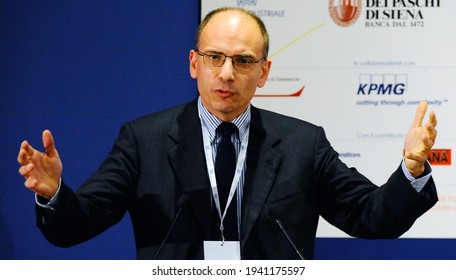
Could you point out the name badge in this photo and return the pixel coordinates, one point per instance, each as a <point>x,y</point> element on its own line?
<point>217,250</point>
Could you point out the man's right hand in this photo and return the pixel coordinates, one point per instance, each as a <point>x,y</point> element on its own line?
<point>42,171</point>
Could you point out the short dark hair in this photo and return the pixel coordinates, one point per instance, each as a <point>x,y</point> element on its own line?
<point>253,16</point>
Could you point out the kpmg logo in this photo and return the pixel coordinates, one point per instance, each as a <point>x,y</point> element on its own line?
<point>382,84</point>
<point>345,12</point>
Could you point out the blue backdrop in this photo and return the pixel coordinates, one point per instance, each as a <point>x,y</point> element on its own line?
<point>81,69</point>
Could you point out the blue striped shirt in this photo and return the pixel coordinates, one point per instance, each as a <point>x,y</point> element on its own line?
<point>209,122</point>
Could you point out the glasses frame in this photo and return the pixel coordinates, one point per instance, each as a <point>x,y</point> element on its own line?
<point>205,54</point>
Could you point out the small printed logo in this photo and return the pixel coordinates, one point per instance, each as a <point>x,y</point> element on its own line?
<point>440,157</point>
<point>382,84</point>
<point>294,94</point>
<point>247,2</point>
<point>345,12</point>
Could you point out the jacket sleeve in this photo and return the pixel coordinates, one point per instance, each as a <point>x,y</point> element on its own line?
<point>360,208</point>
<point>99,203</point>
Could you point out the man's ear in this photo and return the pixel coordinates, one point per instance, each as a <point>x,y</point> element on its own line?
<point>193,63</point>
<point>266,67</point>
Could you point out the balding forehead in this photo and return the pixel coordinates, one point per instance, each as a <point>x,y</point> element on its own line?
<point>230,18</point>
<point>235,14</point>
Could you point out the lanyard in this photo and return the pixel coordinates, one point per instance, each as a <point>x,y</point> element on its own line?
<point>211,170</point>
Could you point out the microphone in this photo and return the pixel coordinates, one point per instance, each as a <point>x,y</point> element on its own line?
<point>289,239</point>
<point>183,200</point>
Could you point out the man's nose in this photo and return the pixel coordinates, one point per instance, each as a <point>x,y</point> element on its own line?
<point>227,70</point>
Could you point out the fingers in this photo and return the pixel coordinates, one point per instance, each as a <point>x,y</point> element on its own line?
<point>25,153</point>
<point>26,172</point>
<point>25,169</point>
<point>431,131</point>
<point>419,140</point>
<point>24,158</point>
<point>432,122</point>
<point>433,118</point>
<point>48,143</point>
<point>419,114</point>
<point>428,142</point>
<point>40,170</point>
<point>30,182</point>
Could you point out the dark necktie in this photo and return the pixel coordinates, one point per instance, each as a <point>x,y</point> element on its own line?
<point>225,165</point>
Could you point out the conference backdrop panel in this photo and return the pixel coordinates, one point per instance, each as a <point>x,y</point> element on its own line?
<point>359,68</point>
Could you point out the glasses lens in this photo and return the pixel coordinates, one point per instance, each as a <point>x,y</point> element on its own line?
<point>214,59</point>
<point>243,63</point>
<point>240,62</point>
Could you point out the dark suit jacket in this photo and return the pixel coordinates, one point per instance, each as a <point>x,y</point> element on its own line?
<point>293,175</point>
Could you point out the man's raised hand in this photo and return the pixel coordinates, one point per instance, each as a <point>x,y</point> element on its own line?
<point>42,171</point>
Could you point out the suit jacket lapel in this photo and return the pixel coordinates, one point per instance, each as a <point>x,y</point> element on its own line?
<point>263,163</point>
<point>188,160</point>
<point>189,163</point>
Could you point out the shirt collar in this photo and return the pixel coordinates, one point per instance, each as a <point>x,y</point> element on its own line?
<point>212,122</point>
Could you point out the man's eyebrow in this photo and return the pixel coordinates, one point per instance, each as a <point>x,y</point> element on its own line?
<point>246,55</point>
<point>213,51</point>
<point>249,55</point>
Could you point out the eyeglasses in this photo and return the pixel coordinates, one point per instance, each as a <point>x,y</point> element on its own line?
<point>240,62</point>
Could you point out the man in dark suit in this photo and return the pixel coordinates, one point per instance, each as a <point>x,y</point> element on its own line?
<point>163,169</point>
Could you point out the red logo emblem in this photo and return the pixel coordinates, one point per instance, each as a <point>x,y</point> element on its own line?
<point>345,12</point>
<point>440,157</point>
<point>295,94</point>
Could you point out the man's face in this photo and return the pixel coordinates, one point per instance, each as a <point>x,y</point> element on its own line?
<point>225,91</point>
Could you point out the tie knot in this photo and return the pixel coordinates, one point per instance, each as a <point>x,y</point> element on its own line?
<point>226,129</point>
